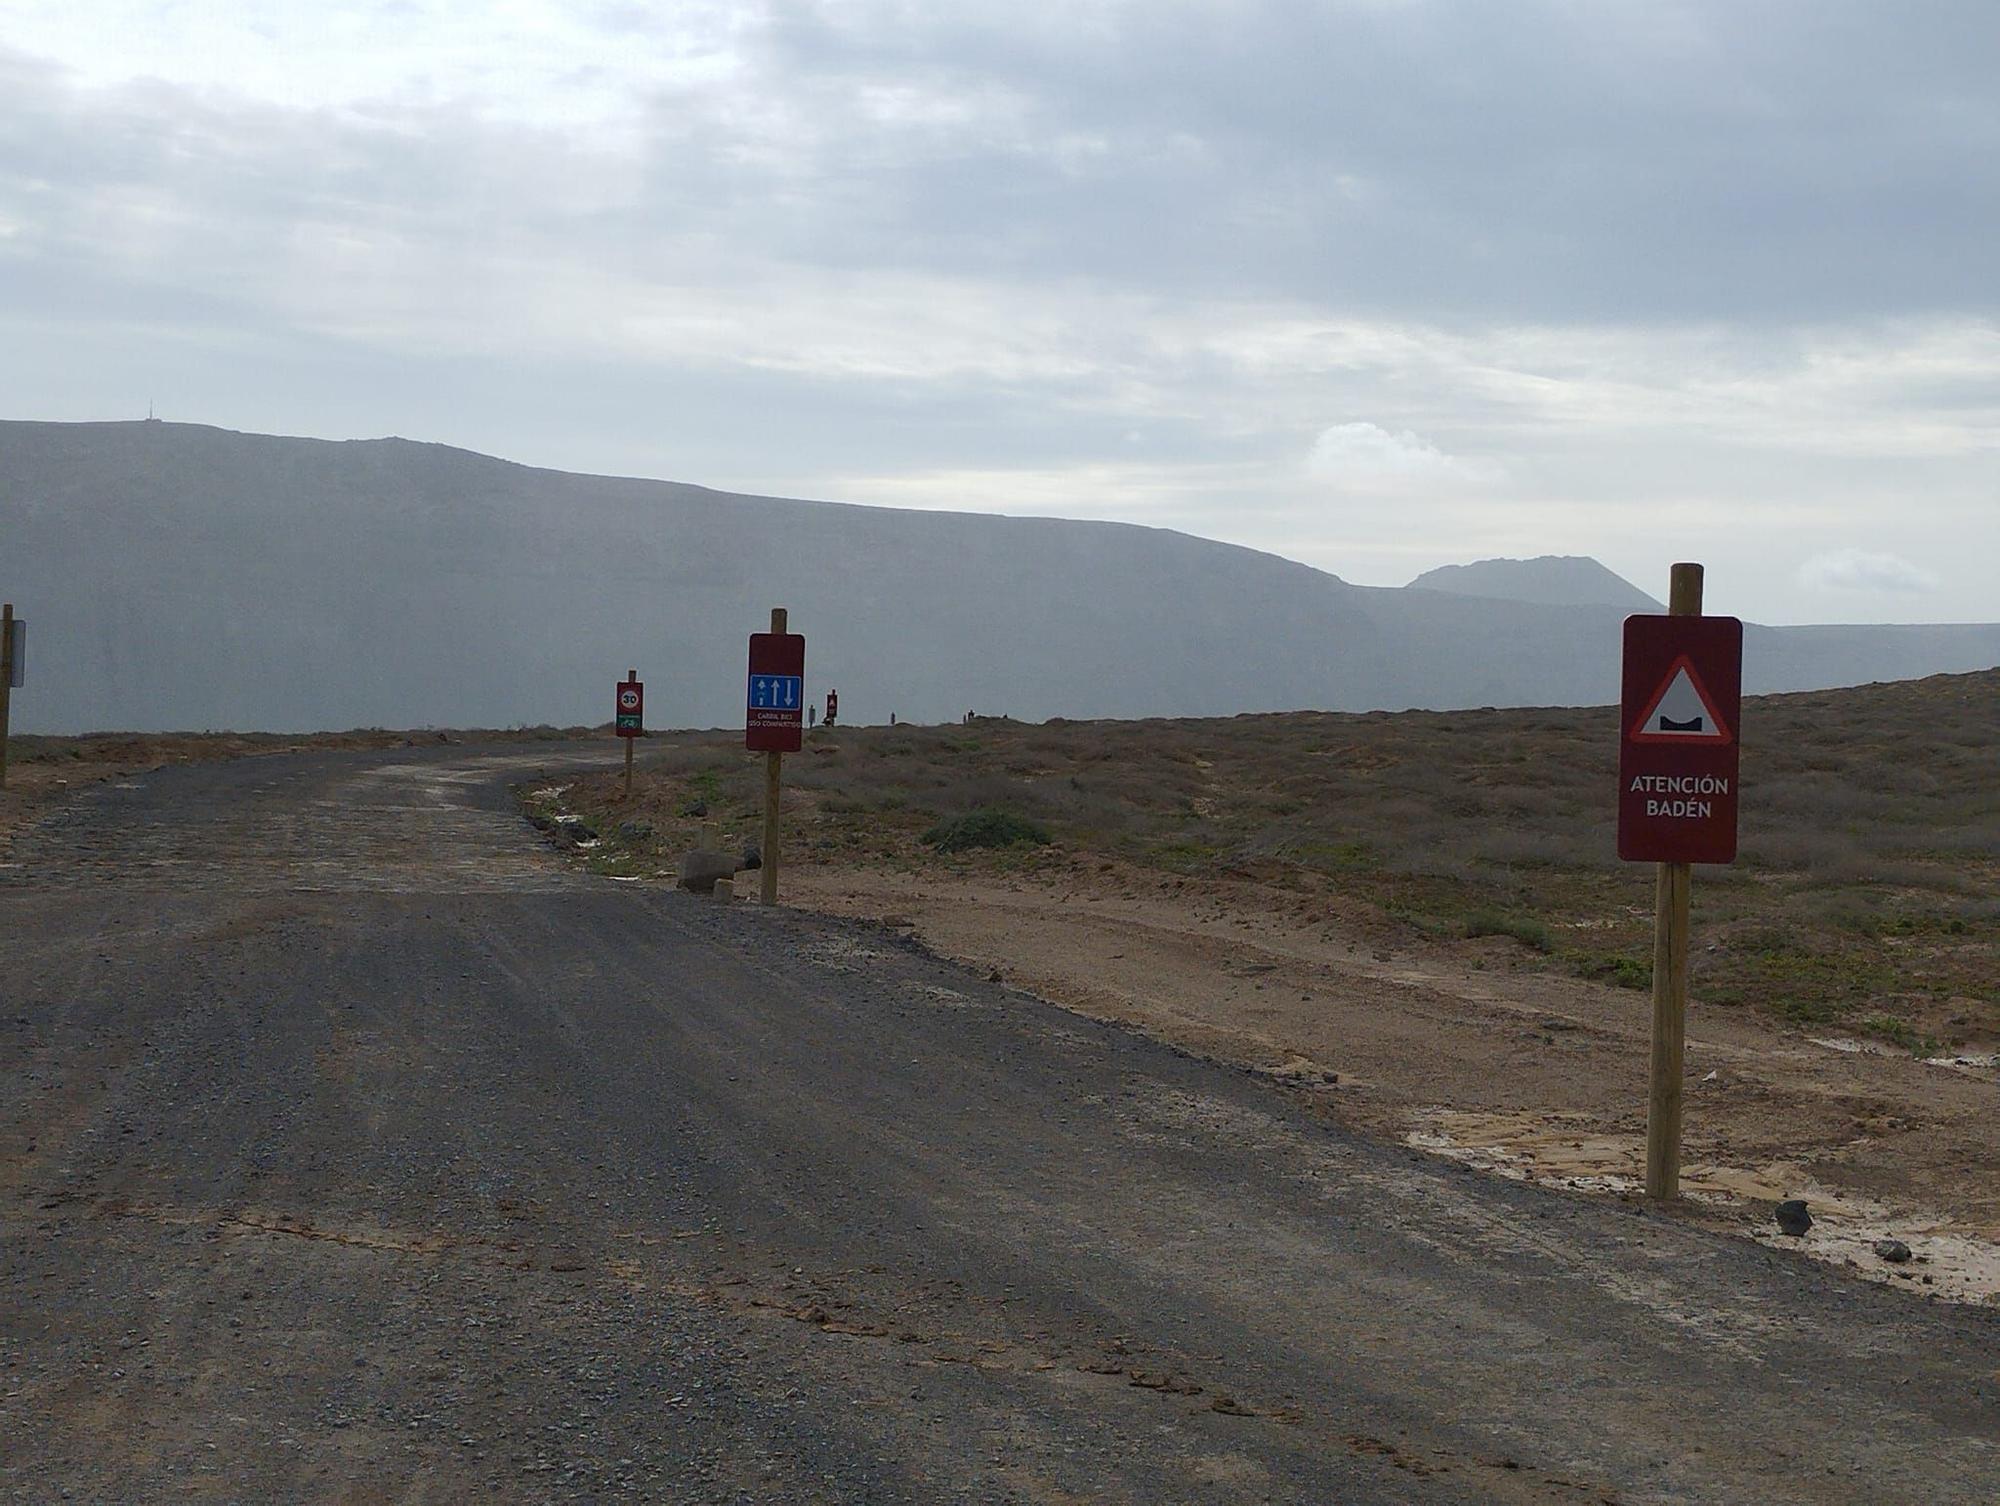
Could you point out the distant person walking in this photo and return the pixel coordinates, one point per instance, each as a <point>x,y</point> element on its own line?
<point>812,715</point>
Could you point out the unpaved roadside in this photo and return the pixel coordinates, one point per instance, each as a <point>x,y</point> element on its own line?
<point>44,772</point>
<point>1463,1049</point>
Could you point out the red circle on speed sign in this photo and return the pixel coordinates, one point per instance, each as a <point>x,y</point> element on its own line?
<point>629,699</point>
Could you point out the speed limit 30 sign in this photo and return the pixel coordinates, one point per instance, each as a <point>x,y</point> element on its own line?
<point>631,712</point>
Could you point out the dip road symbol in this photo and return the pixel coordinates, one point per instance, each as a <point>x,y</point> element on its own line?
<point>1677,758</point>
<point>1682,711</point>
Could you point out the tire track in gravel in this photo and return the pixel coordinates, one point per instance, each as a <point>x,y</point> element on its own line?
<point>359,1150</point>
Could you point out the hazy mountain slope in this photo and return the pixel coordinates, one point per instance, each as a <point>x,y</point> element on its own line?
<point>181,576</point>
<point>1565,580</point>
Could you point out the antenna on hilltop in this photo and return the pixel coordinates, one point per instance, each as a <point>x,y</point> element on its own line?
<point>149,412</point>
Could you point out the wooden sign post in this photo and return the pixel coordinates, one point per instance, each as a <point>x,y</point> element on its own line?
<point>629,720</point>
<point>6,680</point>
<point>774,768</point>
<point>1672,900</point>
<point>774,725</point>
<point>1677,801</point>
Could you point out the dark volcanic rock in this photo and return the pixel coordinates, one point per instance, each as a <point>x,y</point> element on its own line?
<point>700,869</point>
<point>1793,1218</point>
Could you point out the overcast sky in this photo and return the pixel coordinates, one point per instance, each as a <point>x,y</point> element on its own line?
<point>1376,284</point>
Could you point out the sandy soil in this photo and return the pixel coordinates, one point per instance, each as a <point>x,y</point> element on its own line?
<point>33,787</point>
<point>1462,1049</point>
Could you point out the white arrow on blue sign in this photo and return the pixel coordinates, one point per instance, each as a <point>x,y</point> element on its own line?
<point>775,692</point>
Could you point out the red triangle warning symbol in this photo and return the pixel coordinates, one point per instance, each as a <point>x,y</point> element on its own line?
<point>1681,711</point>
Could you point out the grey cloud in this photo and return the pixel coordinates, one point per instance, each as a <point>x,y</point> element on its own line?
<point>1537,160</point>
<point>1457,163</point>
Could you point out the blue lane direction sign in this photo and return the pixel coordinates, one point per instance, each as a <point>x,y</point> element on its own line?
<point>774,716</point>
<point>776,692</point>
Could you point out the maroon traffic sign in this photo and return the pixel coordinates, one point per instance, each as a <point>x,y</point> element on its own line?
<point>630,717</point>
<point>1678,739</point>
<point>774,714</point>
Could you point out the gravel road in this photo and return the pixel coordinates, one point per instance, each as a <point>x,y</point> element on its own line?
<point>354,1148</point>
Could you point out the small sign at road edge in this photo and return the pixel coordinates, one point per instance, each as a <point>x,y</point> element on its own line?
<point>774,711</point>
<point>630,709</point>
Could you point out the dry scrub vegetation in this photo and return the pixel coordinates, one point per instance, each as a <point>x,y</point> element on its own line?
<point>1865,896</point>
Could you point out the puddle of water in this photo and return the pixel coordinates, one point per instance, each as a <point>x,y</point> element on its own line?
<point>1962,1265</point>
<point>1952,1061</point>
<point>1852,1048</point>
<point>1966,1061</point>
<point>948,998</point>
<point>1945,1262</point>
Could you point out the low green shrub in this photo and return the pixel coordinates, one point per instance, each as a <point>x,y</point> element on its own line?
<point>1626,972</point>
<point>1530,933</point>
<point>1902,1033</point>
<point>990,826</point>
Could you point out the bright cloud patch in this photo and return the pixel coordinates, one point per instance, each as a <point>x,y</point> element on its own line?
<point>1861,570</point>
<point>1365,456</point>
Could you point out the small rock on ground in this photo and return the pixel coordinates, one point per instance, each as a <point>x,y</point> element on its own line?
<point>700,869</point>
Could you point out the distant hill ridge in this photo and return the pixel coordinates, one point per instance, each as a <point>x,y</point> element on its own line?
<point>180,576</point>
<point>1568,580</point>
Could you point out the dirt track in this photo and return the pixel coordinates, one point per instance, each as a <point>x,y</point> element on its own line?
<point>1449,1047</point>
<point>355,1149</point>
